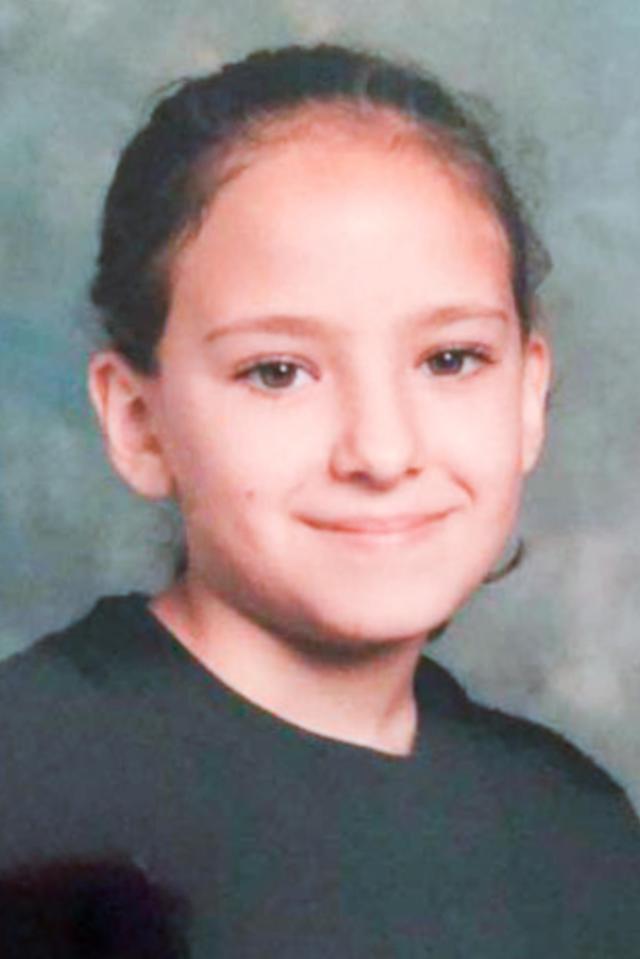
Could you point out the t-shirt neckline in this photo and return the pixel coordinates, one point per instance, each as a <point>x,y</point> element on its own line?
<point>215,692</point>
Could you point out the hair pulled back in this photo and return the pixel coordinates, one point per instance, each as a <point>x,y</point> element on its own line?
<point>157,193</point>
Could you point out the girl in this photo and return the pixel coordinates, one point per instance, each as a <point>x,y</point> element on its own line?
<point>319,295</point>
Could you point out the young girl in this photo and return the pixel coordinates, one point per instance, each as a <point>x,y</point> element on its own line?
<point>319,295</point>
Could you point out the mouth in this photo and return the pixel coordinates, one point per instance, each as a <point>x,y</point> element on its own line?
<point>380,530</point>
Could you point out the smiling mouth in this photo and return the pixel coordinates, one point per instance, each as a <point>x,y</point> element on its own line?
<point>377,528</point>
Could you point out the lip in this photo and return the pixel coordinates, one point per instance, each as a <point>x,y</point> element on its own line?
<point>381,528</point>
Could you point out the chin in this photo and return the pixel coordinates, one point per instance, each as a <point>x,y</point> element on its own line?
<point>350,633</point>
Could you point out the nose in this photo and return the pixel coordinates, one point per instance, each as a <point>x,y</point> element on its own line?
<point>378,439</point>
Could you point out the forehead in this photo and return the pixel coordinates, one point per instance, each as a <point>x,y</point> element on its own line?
<point>343,220</point>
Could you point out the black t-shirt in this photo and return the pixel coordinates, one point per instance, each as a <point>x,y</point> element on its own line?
<point>495,838</point>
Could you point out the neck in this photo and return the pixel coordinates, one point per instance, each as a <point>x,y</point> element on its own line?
<point>362,694</point>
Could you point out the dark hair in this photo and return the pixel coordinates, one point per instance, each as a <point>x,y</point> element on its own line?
<point>158,191</point>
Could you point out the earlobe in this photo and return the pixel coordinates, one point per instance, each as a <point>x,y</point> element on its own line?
<point>536,382</point>
<point>121,399</point>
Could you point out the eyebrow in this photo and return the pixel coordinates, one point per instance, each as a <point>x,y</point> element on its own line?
<point>275,323</point>
<point>460,313</point>
<point>313,327</point>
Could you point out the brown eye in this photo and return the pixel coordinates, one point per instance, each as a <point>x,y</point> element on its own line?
<point>276,375</point>
<point>453,362</point>
<point>449,361</point>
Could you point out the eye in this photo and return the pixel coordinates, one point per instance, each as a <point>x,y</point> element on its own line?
<point>456,361</point>
<point>276,375</point>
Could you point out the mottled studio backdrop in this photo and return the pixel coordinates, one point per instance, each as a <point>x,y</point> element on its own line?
<point>561,639</point>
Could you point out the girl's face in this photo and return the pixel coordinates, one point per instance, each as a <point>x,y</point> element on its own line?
<point>345,407</point>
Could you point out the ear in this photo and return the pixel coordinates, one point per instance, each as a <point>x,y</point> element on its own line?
<point>535,393</point>
<point>121,398</point>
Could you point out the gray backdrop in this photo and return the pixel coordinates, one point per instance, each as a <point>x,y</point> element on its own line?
<point>559,640</point>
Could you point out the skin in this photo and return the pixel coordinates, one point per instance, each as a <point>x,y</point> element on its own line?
<point>345,409</point>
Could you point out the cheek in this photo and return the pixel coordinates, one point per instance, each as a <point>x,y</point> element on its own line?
<point>243,468</point>
<point>484,447</point>
<point>264,465</point>
<point>271,455</point>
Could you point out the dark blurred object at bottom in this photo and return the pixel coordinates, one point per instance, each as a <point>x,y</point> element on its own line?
<point>89,910</point>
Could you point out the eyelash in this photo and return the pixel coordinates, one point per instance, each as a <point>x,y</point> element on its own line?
<point>461,355</point>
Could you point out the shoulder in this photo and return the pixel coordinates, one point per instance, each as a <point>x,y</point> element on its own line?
<point>532,766</point>
<point>72,657</point>
<point>75,721</point>
<point>564,825</point>
<point>64,692</point>
<point>561,829</point>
